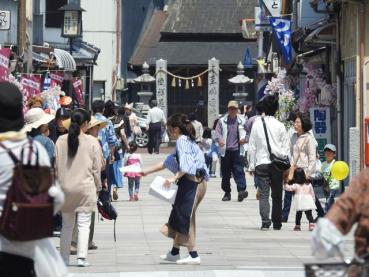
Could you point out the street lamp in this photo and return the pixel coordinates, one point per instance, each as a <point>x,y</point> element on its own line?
<point>72,22</point>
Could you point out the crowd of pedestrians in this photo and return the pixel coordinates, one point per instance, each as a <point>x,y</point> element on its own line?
<point>87,150</point>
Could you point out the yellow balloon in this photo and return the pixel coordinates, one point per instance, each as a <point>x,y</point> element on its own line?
<point>340,170</point>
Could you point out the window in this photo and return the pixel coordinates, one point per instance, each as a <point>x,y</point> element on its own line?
<point>54,17</point>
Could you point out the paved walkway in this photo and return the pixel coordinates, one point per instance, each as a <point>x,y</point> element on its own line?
<point>229,240</point>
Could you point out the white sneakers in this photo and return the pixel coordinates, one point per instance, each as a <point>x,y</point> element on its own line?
<point>82,263</point>
<point>176,259</point>
<point>190,260</point>
<point>169,257</point>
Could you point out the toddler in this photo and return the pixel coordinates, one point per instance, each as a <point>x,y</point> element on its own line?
<point>133,177</point>
<point>304,198</point>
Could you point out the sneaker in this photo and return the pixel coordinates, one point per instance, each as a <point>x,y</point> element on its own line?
<point>311,226</point>
<point>242,195</point>
<point>277,226</point>
<point>265,226</point>
<point>92,246</point>
<point>115,193</point>
<point>131,199</point>
<point>189,260</point>
<point>297,228</point>
<point>213,176</point>
<point>82,262</point>
<point>284,220</point>
<point>169,257</point>
<point>136,196</point>
<point>227,197</point>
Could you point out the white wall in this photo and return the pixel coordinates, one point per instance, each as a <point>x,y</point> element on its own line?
<point>99,29</point>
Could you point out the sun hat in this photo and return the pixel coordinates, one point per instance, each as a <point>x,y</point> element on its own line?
<point>36,117</point>
<point>11,108</point>
<point>128,106</point>
<point>95,122</point>
<point>330,147</point>
<point>232,104</point>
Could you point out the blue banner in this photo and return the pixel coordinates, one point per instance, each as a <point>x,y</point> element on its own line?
<point>282,32</point>
<point>247,60</point>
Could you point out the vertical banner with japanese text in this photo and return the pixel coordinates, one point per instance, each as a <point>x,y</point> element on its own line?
<point>321,119</point>
<point>57,78</point>
<point>4,63</point>
<point>31,84</point>
<point>161,85</point>
<point>77,85</point>
<point>213,91</point>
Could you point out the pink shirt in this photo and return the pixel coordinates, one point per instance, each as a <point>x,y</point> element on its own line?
<point>305,189</point>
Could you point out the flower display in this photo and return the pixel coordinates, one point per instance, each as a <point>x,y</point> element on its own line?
<point>51,97</point>
<point>317,92</point>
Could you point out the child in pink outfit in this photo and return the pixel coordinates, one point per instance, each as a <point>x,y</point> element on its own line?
<point>304,198</point>
<point>133,177</point>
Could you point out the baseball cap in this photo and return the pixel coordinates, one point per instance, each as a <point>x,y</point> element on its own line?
<point>330,147</point>
<point>232,104</point>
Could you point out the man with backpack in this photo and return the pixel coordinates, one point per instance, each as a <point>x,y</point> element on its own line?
<point>26,183</point>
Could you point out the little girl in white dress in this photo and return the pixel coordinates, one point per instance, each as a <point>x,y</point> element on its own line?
<point>304,198</point>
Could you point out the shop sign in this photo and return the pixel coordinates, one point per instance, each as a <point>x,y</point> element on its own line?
<point>273,6</point>
<point>321,119</point>
<point>4,20</point>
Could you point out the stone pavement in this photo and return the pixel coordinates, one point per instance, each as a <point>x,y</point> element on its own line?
<point>228,237</point>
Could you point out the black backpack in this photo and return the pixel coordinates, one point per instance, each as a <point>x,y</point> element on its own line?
<point>105,208</point>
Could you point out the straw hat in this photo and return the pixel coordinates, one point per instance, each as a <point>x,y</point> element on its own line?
<point>36,117</point>
<point>128,106</point>
<point>95,122</point>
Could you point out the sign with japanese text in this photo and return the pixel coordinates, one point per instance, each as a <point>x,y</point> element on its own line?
<point>4,20</point>
<point>57,78</point>
<point>321,120</point>
<point>32,84</point>
<point>77,85</point>
<point>4,63</point>
<point>70,27</point>
<point>213,91</point>
<point>261,20</point>
<point>273,7</point>
<point>161,85</point>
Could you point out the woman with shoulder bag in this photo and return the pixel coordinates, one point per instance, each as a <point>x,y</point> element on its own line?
<point>303,155</point>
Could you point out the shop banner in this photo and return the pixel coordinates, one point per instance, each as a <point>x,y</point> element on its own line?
<point>321,119</point>
<point>77,84</point>
<point>57,78</point>
<point>4,63</point>
<point>282,31</point>
<point>32,84</point>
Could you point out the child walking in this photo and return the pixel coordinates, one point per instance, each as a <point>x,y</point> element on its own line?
<point>304,198</point>
<point>133,177</point>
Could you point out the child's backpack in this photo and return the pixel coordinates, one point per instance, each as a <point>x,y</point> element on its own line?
<point>28,210</point>
<point>105,208</point>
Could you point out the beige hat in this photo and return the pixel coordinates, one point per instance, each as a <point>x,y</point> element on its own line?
<point>232,104</point>
<point>36,117</point>
<point>95,122</point>
<point>128,106</point>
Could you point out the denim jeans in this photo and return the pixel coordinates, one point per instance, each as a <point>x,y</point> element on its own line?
<point>233,162</point>
<point>287,204</point>
<point>330,199</point>
<point>133,183</point>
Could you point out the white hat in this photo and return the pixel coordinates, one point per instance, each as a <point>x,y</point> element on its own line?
<point>128,106</point>
<point>36,117</point>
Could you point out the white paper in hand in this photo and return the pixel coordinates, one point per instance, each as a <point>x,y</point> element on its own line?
<point>158,190</point>
<point>133,168</point>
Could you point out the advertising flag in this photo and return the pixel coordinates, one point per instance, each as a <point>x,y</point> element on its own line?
<point>4,63</point>
<point>282,32</point>
<point>57,78</point>
<point>77,85</point>
<point>32,84</point>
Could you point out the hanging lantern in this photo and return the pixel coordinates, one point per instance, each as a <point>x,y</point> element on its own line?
<point>174,82</point>
<point>187,84</point>
<point>199,82</point>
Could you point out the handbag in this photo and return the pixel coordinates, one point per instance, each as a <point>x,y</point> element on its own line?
<point>279,163</point>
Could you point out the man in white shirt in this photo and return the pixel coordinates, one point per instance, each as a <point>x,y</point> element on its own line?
<point>260,163</point>
<point>197,125</point>
<point>156,119</point>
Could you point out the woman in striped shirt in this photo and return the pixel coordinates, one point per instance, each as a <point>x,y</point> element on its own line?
<point>190,173</point>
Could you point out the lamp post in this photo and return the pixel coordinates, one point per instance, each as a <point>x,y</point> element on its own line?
<point>240,82</point>
<point>72,22</point>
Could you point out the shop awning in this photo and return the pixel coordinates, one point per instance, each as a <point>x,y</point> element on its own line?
<point>64,60</point>
<point>323,35</point>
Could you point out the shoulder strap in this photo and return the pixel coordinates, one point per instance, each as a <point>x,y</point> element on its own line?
<point>266,136</point>
<point>10,153</point>
<point>31,150</point>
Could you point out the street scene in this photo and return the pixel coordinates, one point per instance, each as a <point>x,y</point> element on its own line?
<point>184,138</point>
